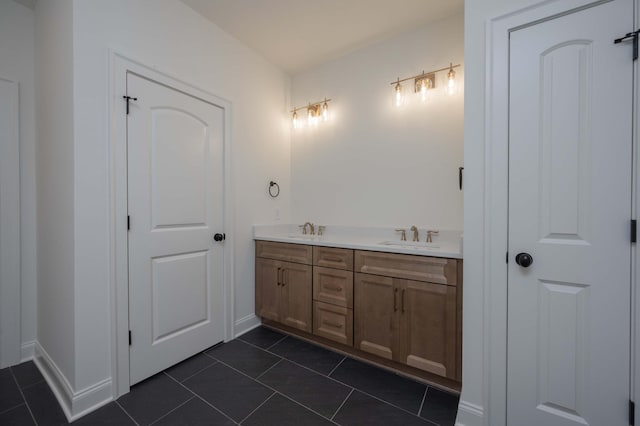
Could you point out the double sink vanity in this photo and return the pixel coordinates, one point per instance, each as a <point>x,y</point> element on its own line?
<point>367,293</point>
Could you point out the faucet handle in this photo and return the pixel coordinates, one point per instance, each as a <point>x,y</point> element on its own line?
<point>321,229</point>
<point>403,234</point>
<point>304,229</point>
<point>430,233</point>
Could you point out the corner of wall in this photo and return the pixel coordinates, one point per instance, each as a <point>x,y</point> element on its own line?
<point>75,404</point>
<point>469,414</point>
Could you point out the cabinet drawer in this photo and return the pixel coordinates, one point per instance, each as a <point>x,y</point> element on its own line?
<point>297,253</point>
<point>418,268</point>
<point>333,286</point>
<point>333,323</point>
<point>330,257</point>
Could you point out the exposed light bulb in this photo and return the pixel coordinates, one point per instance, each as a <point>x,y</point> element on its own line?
<point>451,80</point>
<point>296,122</point>
<point>399,99</point>
<point>309,115</point>
<point>325,110</point>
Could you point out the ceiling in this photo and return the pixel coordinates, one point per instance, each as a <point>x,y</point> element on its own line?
<point>299,34</point>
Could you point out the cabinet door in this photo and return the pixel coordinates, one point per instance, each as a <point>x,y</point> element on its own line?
<point>295,308</point>
<point>376,301</point>
<point>428,336</point>
<point>268,288</point>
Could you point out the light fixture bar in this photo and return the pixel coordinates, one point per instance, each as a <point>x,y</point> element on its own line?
<point>423,74</point>
<point>312,105</point>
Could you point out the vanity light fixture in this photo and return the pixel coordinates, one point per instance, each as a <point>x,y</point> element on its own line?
<point>315,112</point>
<point>424,82</point>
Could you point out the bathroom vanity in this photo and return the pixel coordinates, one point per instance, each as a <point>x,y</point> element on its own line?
<point>397,305</point>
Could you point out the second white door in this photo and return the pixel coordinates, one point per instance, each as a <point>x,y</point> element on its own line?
<point>175,202</point>
<point>570,162</point>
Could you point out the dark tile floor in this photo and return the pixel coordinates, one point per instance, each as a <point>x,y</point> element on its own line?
<point>262,378</point>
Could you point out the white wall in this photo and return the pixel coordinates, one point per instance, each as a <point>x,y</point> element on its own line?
<point>474,400</point>
<point>374,164</point>
<point>174,39</point>
<point>55,182</point>
<point>17,57</point>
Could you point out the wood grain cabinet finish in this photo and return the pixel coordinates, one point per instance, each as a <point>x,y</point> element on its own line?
<point>428,331</point>
<point>411,267</point>
<point>375,321</point>
<point>333,286</point>
<point>284,289</point>
<point>330,257</point>
<point>411,321</point>
<point>333,322</point>
<point>297,253</point>
<point>333,294</point>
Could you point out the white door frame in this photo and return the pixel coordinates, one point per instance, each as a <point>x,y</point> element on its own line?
<point>496,201</point>
<point>119,65</point>
<point>10,277</point>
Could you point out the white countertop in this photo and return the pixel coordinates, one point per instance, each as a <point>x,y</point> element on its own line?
<point>445,244</point>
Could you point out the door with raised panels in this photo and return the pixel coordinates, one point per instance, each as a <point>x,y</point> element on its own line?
<point>569,264</point>
<point>175,203</point>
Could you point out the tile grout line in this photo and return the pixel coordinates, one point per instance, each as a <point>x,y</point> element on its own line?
<point>13,408</point>
<point>283,338</point>
<point>202,399</point>
<point>257,408</point>
<point>333,379</point>
<point>24,398</point>
<point>336,367</point>
<point>267,370</point>
<point>197,372</point>
<point>275,390</point>
<point>126,412</point>
<point>341,405</point>
<point>423,399</point>
<point>165,415</point>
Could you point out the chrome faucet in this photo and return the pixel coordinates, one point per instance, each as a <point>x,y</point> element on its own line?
<point>311,228</point>
<point>415,233</point>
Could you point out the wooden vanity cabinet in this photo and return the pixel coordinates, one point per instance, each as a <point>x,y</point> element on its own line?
<point>405,320</point>
<point>333,294</point>
<point>283,288</point>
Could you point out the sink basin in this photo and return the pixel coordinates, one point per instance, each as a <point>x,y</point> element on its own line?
<point>411,244</point>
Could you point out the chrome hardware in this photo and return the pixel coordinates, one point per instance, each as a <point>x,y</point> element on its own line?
<point>416,235</point>
<point>430,234</point>
<point>403,234</point>
<point>321,229</point>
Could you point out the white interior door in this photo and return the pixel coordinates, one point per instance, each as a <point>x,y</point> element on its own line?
<point>570,163</point>
<point>175,202</point>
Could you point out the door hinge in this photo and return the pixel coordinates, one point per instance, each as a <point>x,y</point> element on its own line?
<point>630,36</point>
<point>632,413</point>
<point>129,337</point>
<point>129,98</point>
<point>634,230</point>
<point>506,257</point>
<point>128,223</point>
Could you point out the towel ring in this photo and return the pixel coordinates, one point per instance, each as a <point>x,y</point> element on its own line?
<point>277,190</point>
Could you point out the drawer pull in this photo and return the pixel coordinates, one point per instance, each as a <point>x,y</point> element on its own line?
<point>279,279</point>
<point>332,324</point>
<point>334,288</point>
<point>403,291</point>
<point>332,259</point>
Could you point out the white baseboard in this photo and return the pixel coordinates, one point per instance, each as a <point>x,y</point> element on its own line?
<point>27,350</point>
<point>74,404</point>
<point>469,414</point>
<point>246,324</point>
